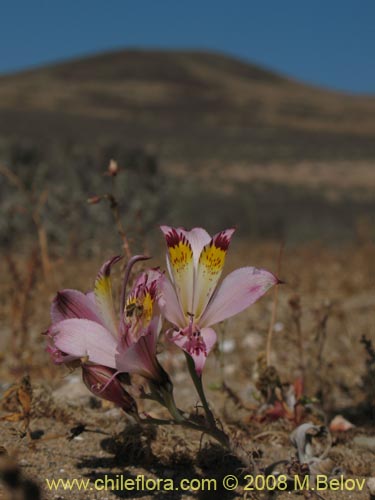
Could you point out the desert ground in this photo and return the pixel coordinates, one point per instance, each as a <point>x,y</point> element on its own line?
<point>324,310</point>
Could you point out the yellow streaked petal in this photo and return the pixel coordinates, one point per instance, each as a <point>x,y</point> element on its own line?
<point>180,256</point>
<point>148,306</point>
<point>103,296</point>
<point>211,263</point>
<point>140,308</point>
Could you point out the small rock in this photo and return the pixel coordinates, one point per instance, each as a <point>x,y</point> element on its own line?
<point>371,487</point>
<point>180,377</point>
<point>73,392</point>
<point>278,327</point>
<point>253,340</point>
<point>230,369</point>
<point>367,442</point>
<point>115,413</point>
<point>228,345</point>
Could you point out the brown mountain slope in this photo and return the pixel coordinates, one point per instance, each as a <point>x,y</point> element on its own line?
<point>192,105</point>
<point>232,143</point>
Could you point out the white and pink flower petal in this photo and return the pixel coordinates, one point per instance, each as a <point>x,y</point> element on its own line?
<point>103,296</point>
<point>69,304</point>
<point>169,304</point>
<point>181,262</point>
<point>139,357</point>
<point>91,296</point>
<point>149,279</point>
<point>58,357</point>
<point>210,267</point>
<point>197,344</point>
<point>198,239</point>
<point>239,290</point>
<point>141,307</point>
<point>83,338</point>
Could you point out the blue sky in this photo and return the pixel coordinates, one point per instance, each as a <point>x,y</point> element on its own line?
<point>325,42</point>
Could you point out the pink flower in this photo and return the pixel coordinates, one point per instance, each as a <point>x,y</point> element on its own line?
<point>193,300</point>
<point>85,327</point>
<point>139,330</point>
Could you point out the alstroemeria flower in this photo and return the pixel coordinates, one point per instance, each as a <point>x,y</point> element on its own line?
<point>85,326</point>
<point>140,328</point>
<point>193,301</point>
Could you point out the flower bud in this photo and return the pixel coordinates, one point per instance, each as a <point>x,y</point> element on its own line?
<point>113,168</point>
<point>103,383</point>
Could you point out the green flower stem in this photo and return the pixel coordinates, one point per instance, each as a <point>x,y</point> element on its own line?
<point>216,433</point>
<point>172,408</point>
<point>161,421</point>
<point>199,387</point>
<point>163,394</point>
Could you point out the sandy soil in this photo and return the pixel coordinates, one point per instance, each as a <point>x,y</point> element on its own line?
<point>336,303</point>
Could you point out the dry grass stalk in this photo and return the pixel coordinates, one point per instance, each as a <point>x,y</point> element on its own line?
<point>274,309</point>
<point>295,305</point>
<point>35,206</point>
<point>21,300</point>
<point>112,171</point>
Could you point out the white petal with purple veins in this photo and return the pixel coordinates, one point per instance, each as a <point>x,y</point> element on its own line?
<point>82,337</point>
<point>239,290</point>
